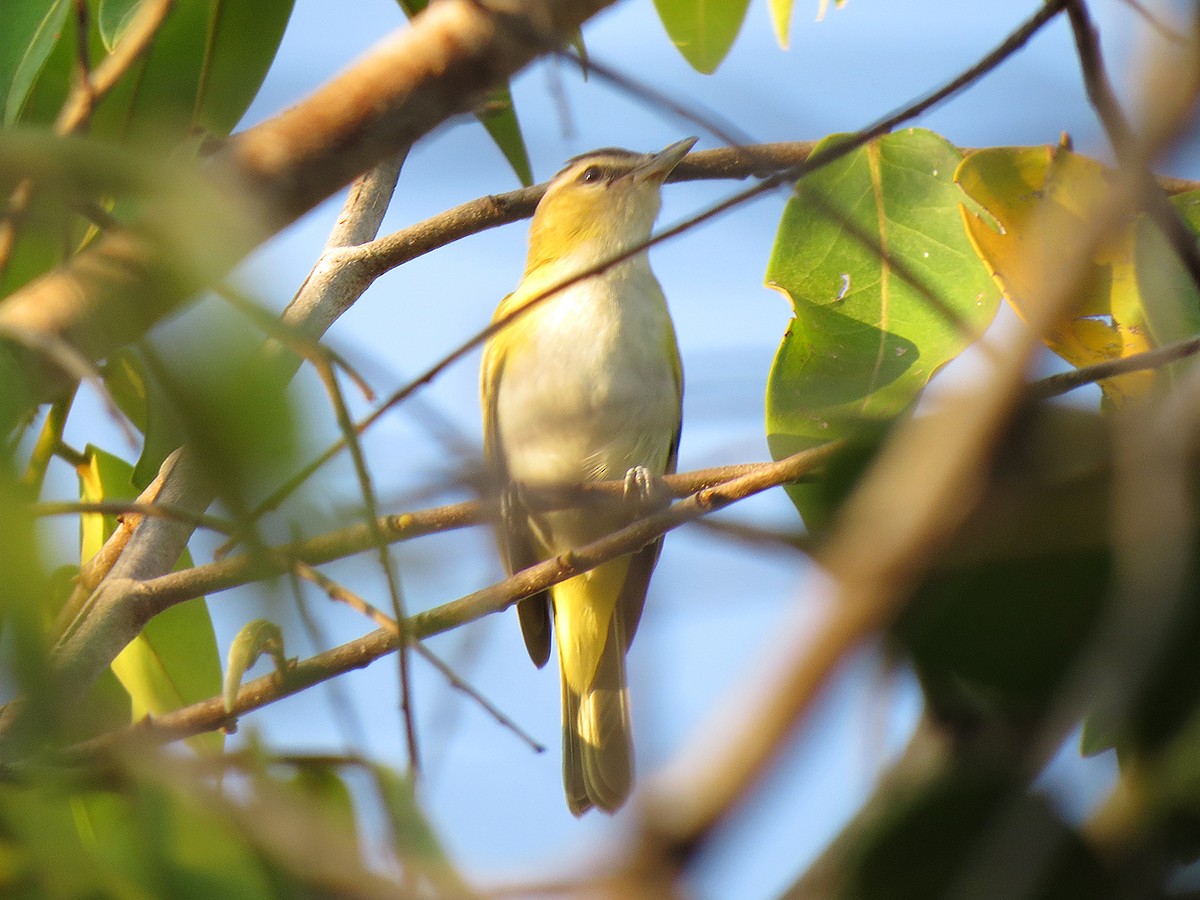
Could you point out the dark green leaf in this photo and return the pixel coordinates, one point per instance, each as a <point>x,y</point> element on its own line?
<point>499,117</point>
<point>243,37</point>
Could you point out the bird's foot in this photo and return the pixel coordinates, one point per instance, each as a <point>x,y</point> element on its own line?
<point>645,491</point>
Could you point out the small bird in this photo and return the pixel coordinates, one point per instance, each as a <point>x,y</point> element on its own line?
<point>586,385</point>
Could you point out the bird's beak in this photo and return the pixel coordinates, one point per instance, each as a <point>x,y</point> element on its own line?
<point>659,165</point>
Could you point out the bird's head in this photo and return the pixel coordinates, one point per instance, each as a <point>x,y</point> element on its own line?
<point>600,204</point>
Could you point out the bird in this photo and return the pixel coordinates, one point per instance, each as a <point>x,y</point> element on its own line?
<point>578,385</point>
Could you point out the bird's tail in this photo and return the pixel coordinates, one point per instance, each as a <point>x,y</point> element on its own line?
<point>597,732</point>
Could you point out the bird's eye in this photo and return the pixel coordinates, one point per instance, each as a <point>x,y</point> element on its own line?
<point>591,175</point>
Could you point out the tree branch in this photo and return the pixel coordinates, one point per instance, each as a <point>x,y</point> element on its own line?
<point>211,714</point>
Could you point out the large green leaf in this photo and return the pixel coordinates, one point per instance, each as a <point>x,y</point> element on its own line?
<point>885,286</point>
<point>702,30</point>
<point>174,661</point>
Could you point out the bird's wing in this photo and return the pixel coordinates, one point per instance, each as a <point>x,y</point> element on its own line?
<point>642,563</point>
<point>516,539</point>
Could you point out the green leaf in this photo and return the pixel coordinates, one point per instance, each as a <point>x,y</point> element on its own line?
<point>141,398</point>
<point>113,17</point>
<point>233,406</point>
<point>865,341</point>
<point>702,30</point>
<point>256,638</point>
<point>174,662</point>
<point>323,788</point>
<point>25,49</point>
<point>243,37</point>
<point>499,117</point>
<point>1169,296</point>
<point>498,114</point>
<point>415,843</point>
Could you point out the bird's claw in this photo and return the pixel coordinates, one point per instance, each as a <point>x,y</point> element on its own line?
<point>643,489</point>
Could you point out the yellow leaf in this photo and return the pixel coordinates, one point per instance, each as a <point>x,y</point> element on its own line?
<point>1040,199</point>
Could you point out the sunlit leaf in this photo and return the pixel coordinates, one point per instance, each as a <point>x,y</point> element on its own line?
<point>1039,199</point>
<point>256,638</point>
<point>781,20</point>
<point>702,30</point>
<point>174,661</point>
<point>885,287</point>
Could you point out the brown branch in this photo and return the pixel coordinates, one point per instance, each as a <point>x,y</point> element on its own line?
<point>379,541</point>
<point>1065,382</point>
<point>211,714</point>
<point>175,587</point>
<point>411,82</point>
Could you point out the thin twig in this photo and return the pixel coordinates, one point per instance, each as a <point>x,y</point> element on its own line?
<point>342,594</point>
<point>126,507</point>
<point>1065,382</point>
<point>1132,153</point>
<point>383,555</point>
